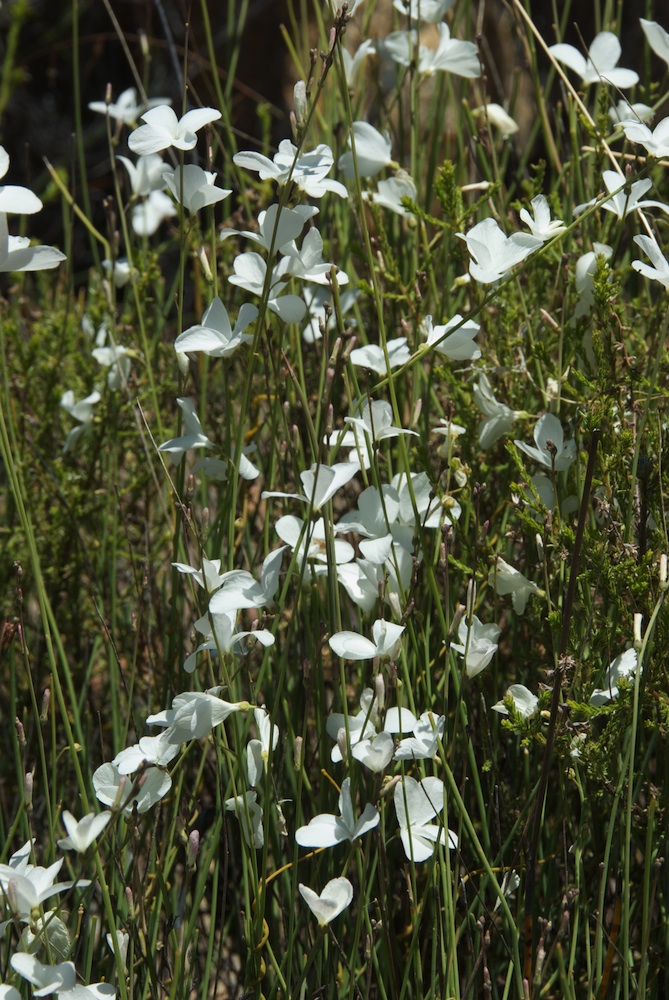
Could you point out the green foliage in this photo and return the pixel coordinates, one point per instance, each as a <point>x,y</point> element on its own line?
<point>98,621</point>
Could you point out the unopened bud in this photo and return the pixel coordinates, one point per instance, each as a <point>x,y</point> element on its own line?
<point>471,597</point>
<point>204,263</point>
<point>130,901</point>
<point>380,689</point>
<point>193,850</point>
<point>457,618</point>
<point>638,640</point>
<point>300,104</point>
<point>108,94</point>
<point>297,753</point>
<point>663,571</point>
<point>144,43</point>
<point>20,733</point>
<point>28,791</point>
<point>540,545</point>
<point>46,701</point>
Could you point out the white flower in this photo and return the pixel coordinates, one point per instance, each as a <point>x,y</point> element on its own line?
<point>163,129</point>
<point>60,979</point>
<point>258,750</point>
<point>499,418</point>
<point>248,812</point>
<point>307,262</point>
<point>551,450</point>
<point>335,897</point>
<point>423,10</point>
<point>320,484</point>
<point>81,834</point>
<point>193,436</point>
<point>657,38</point>
<point>81,411</point>
<point>146,175</point>
<point>376,519</point>
<point>623,111</point>
<point>251,274</point>
<point>214,335</point>
<point>429,508</point>
<point>352,646</point>
<point>372,356</point>
<point>209,577</point>
<point>450,56</point>
<point>239,589</point>
<point>655,141</point>
<point>199,187</point>
<point>375,752</point>
<point>308,539</point>
<point>541,225</point>
<point>15,199</point>
<point>115,789</point>
<point>424,744</point>
<point>158,750</point>
<point>126,108</point>
<point>525,703</point>
<point>308,171</point>
<point>389,193</point>
<point>16,253</point>
<point>478,644</point>
<point>276,226</point>
<point>25,886</point>
<point>118,360</point>
<point>119,271</point>
<point>416,803</point>
<point>624,665</point>
<point>458,345</point>
<point>660,267</point>
<point>147,215</point>
<point>601,64</point>
<point>375,424</point>
<point>497,116</point>
<point>195,713</point>
<point>353,63</point>
<point>326,830</point>
<point>361,726</point>
<point>505,579</point>
<point>372,151</point>
<point>221,635</point>
<point>625,199</point>
<point>494,254</point>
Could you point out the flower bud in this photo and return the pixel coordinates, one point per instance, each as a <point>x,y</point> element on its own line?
<point>46,701</point>
<point>380,691</point>
<point>28,791</point>
<point>300,104</point>
<point>663,571</point>
<point>638,639</point>
<point>297,753</point>
<point>192,850</point>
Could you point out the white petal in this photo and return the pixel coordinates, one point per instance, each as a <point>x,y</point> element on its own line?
<point>335,897</point>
